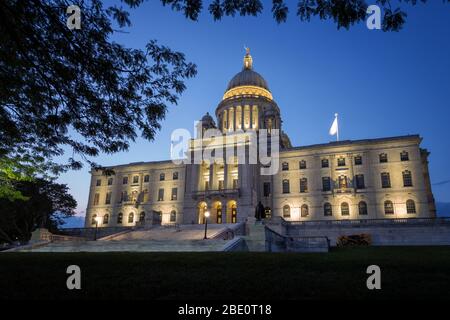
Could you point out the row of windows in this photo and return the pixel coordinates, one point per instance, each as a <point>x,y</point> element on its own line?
<point>134,196</point>
<point>173,218</point>
<point>162,177</point>
<point>341,161</point>
<point>343,183</point>
<point>345,209</point>
<point>221,185</point>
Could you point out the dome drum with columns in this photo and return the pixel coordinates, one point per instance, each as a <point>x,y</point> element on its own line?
<point>248,103</point>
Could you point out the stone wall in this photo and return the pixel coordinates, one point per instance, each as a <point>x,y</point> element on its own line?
<point>384,232</point>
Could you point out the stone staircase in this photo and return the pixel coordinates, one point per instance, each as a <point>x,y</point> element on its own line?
<point>133,246</point>
<point>185,238</point>
<point>255,238</point>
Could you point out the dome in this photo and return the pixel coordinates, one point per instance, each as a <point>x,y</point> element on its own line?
<point>207,118</point>
<point>247,82</point>
<point>248,77</point>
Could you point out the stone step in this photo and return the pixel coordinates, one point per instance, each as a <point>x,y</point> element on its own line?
<point>138,246</point>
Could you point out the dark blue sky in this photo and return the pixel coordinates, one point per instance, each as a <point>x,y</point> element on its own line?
<point>381,84</point>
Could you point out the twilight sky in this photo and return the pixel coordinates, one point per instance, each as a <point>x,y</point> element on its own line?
<point>381,84</point>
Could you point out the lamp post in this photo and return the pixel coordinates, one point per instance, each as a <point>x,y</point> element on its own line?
<point>97,221</point>
<point>206,224</point>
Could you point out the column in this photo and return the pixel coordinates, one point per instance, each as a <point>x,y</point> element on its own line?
<point>224,211</point>
<point>242,116</point>
<point>225,175</point>
<point>211,176</point>
<point>234,117</point>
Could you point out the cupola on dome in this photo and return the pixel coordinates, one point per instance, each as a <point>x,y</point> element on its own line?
<point>247,82</point>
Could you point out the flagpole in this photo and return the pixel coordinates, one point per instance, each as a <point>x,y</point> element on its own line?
<point>337,127</point>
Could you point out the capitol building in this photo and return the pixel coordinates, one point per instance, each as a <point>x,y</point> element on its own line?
<point>379,178</point>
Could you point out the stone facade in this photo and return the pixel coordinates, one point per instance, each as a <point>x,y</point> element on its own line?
<point>363,179</point>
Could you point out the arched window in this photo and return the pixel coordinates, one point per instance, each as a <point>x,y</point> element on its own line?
<point>286,186</point>
<point>268,212</point>
<point>94,219</point>
<point>362,208</point>
<point>345,209</point>
<point>225,120</point>
<point>142,216</point>
<point>286,211</point>
<point>233,213</point>
<point>304,211</point>
<point>407,179</point>
<point>327,210</point>
<point>120,218</point>
<point>106,219</point>
<point>388,207</point>
<point>410,206</point>
<point>247,117</point>
<point>238,117</point>
<point>131,217</point>
<point>255,117</point>
<point>173,216</point>
<point>269,125</point>
<point>303,185</point>
<point>231,119</point>
<point>134,195</point>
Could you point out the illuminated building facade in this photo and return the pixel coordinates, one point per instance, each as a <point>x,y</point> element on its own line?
<point>362,179</point>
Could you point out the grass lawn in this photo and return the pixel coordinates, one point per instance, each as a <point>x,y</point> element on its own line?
<point>407,272</point>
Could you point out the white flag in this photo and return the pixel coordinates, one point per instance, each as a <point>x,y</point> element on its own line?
<point>334,127</point>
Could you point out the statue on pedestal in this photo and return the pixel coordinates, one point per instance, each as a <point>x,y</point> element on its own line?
<point>260,212</point>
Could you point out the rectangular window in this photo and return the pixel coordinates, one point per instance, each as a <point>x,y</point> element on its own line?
<point>385,180</point>
<point>383,158</point>
<point>146,178</point>
<point>325,163</point>
<point>302,165</point>
<point>358,161</point>
<point>341,162</point>
<point>108,198</point>
<point>326,184</point>
<point>206,185</point>
<point>98,183</point>
<point>303,185</point>
<point>407,179</point>
<point>175,176</point>
<point>343,183</point>
<point>235,183</point>
<point>96,199</point>
<point>174,194</point>
<point>286,188</point>
<point>135,179</point>
<point>220,184</point>
<point>359,178</point>
<point>404,156</point>
<point>110,181</point>
<point>125,180</point>
<point>266,189</point>
<point>285,166</point>
<point>162,177</point>
<point>161,195</point>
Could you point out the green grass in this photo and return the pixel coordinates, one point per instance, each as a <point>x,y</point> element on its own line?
<point>407,272</point>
